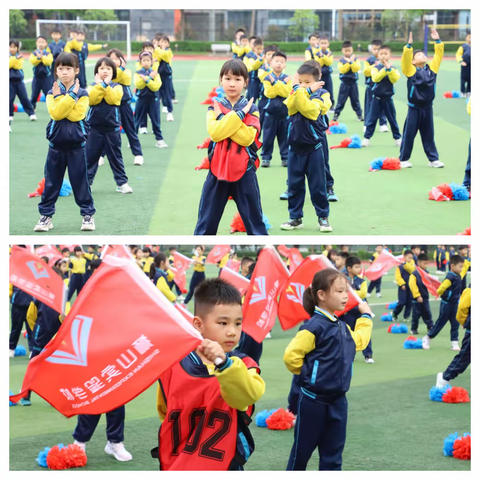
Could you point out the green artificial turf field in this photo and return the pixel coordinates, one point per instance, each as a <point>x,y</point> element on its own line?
<point>392,424</point>
<point>167,188</point>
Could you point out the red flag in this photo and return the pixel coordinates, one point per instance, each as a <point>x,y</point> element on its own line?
<point>283,250</point>
<point>382,264</point>
<point>430,281</point>
<point>296,258</point>
<point>119,251</point>
<point>48,251</point>
<point>183,310</point>
<point>362,273</point>
<point>180,266</point>
<point>234,264</point>
<point>290,306</point>
<point>217,253</point>
<point>260,305</point>
<point>235,279</point>
<point>32,275</point>
<point>100,359</point>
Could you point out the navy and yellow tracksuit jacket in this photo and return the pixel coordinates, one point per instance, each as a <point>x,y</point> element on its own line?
<point>44,322</point>
<point>464,54</point>
<point>81,49</point>
<point>451,288</point>
<point>277,91</point>
<point>149,87</point>
<point>310,52</point>
<point>253,63</point>
<point>19,298</point>
<point>78,265</point>
<point>464,307</point>
<point>56,48</point>
<point>403,272</point>
<point>383,81</point>
<point>16,68</point>
<point>367,69</point>
<point>42,66</point>
<point>325,59</point>
<point>417,287</point>
<point>124,78</point>
<point>239,51</point>
<point>161,280</point>
<point>164,58</point>
<point>104,102</point>
<point>349,70</point>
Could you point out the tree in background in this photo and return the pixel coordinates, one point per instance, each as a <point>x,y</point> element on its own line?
<point>18,23</point>
<point>398,23</point>
<point>304,22</point>
<point>106,30</point>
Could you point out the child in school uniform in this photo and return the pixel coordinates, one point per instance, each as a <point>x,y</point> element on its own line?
<point>277,87</point>
<point>375,284</point>
<point>421,82</point>
<point>322,354</point>
<point>159,276</point>
<point>67,132</point>
<point>467,179</point>
<point>324,57</point>
<point>148,260</point>
<point>348,66</point>
<point>17,85</point>
<point>57,45</point>
<point>254,60</point>
<point>104,120</point>
<point>313,47</point>
<point>90,255</point>
<point>383,77</point>
<point>223,386</point>
<point>77,269</point>
<point>241,46</point>
<point>171,283</point>
<point>42,60</point>
<point>464,58</point>
<point>163,54</point>
<point>307,105</point>
<point>402,277</point>
<point>263,71</point>
<point>464,251</point>
<point>450,291</point>
<point>20,302</point>
<point>234,127</point>
<point>198,271</point>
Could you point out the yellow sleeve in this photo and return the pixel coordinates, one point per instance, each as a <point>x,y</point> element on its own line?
<point>344,67</point>
<point>262,73</point>
<point>32,314</point>
<point>139,82</point>
<point>356,66</point>
<point>407,56</point>
<point>154,84</point>
<point>95,93</point>
<point>326,60</point>
<point>377,75</point>
<point>240,386</point>
<point>469,106</point>
<point>291,103</point>
<point>393,75</point>
<point>467,264</point>
<point>398,277</point>
<point>362,333</point>
<point>237,49</point>
<point>11,290</point>
<point>60,107</point>
<point>308,55</point>
<point>124,77</point>
<point>113,96</point>
<point>447,256</point>
<point>219,130</point>
<point>367,69</point>
<point>34,60</point>
<point>459,54</point>
<point>248,63</point>
<point>47,59</point>
<point>410,267</point>
<point>19,63</point>
<point>165,55</point>
<point>163,287</point>
<point>362,293</point>
<point>76,45</point>
<point>89,256</point>
<point>445,285</point>
<point>94,47</point>
<point>256,64</point>
<point>437,57</point>
<point>412,284</point>
<point>170,275</point>
<point>302,343</point>
<point>311,109</point>
<point>79,110</point>
<point>161,403</point>
<point>12,62</point>
<point>68,47</point>
<point>280,89</point>
<point>434,254</point>
<point>464,306</point>
<point>245,135</point>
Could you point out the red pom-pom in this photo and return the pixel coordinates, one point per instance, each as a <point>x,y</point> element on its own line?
<point>456,395</point>
<point>343,144</point>
<point>438,195</point>
<point>204,144</point>
<point>56,459</point>
<point>332,123</point>
<point>448,95</point>
<point>39,190</point>
<point>15,108</point>
<point>462,448</point>
<point>280,420</point>
<point>391,164</point>
<point>389,329</point>
<point>207,101</point>
<point>74,455</point>
<point>411,337</point>
<point>205,165</point>
<point>236,225</point>
<point>230,198</point>
<point>446,190</point>
<point>184,290</point>
<point>467,231</point>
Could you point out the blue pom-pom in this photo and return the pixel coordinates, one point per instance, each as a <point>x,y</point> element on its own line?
<point>377,164</point>
<point>340,128</point>
<point>20,108</point>
<point>392,305</point>
<point>20,351</point>
<point>459,191</point>
<point>400,328</point>
<point>267,223</point>
<point>448,444</point>
<point>261,417</point>
<point>436,393</point>
<point>356,142</point>
<point>66,189</point>
<point>42,457</point>
<point>387,317</point>
<point>413,344</point>
<point>11,404</point>
<point>456,94</point>
<point>42,98</point>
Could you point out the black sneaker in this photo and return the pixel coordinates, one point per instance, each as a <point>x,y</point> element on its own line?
<point>292,224</point>
<point>324,225</point>
<point>360,118</point>
<point>414,332</point>
<point>284,195</point>
<point>265,163</point>
<point>284,163</point>
<point>44,224</point>
<point>335,118</point>
<point>331,197</point>
<point>88,223</point>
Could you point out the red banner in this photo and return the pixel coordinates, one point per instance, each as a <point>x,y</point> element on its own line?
<point>296,259</point>
<point>50,252</point>
<point>100,359</point>
<point>382,264</point>
<point>283,250</point>
<point>430,281</point>
<point>235,279</point>
<point>234,264</point>
<point>217,253</point>
<point>261,304</point>
<point>183,310</point>
<point>119,251</point>
<point>31,274</point>
<point>181,263</point>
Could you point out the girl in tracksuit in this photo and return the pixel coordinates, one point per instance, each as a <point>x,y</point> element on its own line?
<point>163,54</point>
<point>104,119</point>
<point>198,271</point>
<point>322,354</point>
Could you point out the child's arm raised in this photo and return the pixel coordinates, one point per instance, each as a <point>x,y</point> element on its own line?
<point>467,264</point>
<point>34,59</point>
<point>344,67</point>
<point>439,48</point>
<point>153,83</point>
<point>67,106</point>
<point>312,108</point>
<point>165,55</point>
<point>47,59</point>
<point>303,342</point>
<point>464,306</point>
<point>326,60</point>
<point>113,96</point>
<point>368,69</point>
<point>363,327</point>
<point>92,47</point>
<point>96,92</point>
<point>356,66</point>
<point>139,81</point>
<point>407,56</point>
<point>277,89</point>
<point>246,134</point>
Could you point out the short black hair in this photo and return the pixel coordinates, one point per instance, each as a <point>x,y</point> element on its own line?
<point>418,50</point>
<point>344,255</point>
<point>77,249</point>
<point>107,61</point>
<point>94,264</point>
<point>407,252</point>
<point>242,37</point>
<point>240,30</point>
<point>462,247</point>
<point>118,53</point>
<point>158,35</point>
<point>351,261</point>
<point>413,247</point>
<point>246,259</point>
<point>278,53</point>
<point>41,36</point>
<point>65,250</point>
<point>56,30</point>
<point>145,54</point>
<point>147,250</point>
<point>165,38</point>
<point>234,67</point>
<point>73,30</point>
<point>253,37</point>
<point>377,42</point>
<point>66,59</point>
<point>331,253</point>
<point>455,259</point>
<point>46,259</point>
<point>347,44</point>
<point>212,292</point>
<point>309,69</point>
<point>147,45</point>
<point>80,32</point>
<point>14,42</point>
<point>257,42</point>
<point>270,48</point>
<point>422,257</point>
<point>322,37</point>
<point>385,47</point>
<point>312,35</point>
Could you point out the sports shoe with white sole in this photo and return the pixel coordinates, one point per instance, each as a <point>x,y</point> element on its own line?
<point>292,224</point>
<point>10,119</point>
<point>426,342</point>
<point>364,128</point>
<point>369,295</point>
<point>369,360</point>
<point>142,130</point>
<point>88,223</point>
<point>9,129</point>
<point>11,354</point>
<point>25,402</point>
<point>384,128</point>
<point>441,382</point>
<point>436,164</point>
<point>118,451</point>
<point>284,195</point>
<point>406,164</point>
<point>138,160</point>
<point>170,117</point>
<point>80,444</point>
<point>161,144</point>
<point>33,118</point>
<point>125,188</point>
<point>455,347</point>
<point>164,110</point>
<point>324,225</point>
<point>379,295</point>
<point>44,224</point>
<point>174,100</point>
<point>269,335</point>
<point>398,142</point>
<point>365,142</point>
<point>101,161</point>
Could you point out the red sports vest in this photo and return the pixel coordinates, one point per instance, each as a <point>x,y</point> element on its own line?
<point>230,160</point>
<point>200,429</point>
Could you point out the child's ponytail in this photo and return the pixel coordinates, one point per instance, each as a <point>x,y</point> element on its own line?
<point>309,301</point>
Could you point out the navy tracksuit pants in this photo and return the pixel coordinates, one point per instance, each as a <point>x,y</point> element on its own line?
<point>39,85</point>
<point>262,103</point>
<point>448,313</point>
<point>173,284</point>
<point>320,424</point>
<point>110,142</point>
<point>18,89</point>
<point>467,178</point>
<point>294,394</point>
<point>19,318</point>
<point>419,119</point>
<point>350,318</point>
<point>86,425</point>
<point>250,347</point>
<point>375,284</point>
<point>245,193</point>
<point>273,127</point>
<point>151,107</point>
<point>197,278</point>
<point>461,361</point>
<point>82,75</point>
<point>421,310</point>
<point>166,92</point>
<point>329,87</point>
<point>58,161</point>
<point>348,90</point>
<point>326,156</point>
<point>368,104</point>
<point>253,89</point>
<point>405,300</point>
<point>465,79</point>
<point>128,125</point>
<point>75,285</point>
<point>310,165</point>
<point>377,108</point>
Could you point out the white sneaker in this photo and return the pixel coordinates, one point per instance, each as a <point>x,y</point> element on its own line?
<point>11,353</point>
<point>44,224</point>
<point>174,100</point>
<point>364,128</point>
<point>142,130</point>
<point>426,342</point>
<point>125,188</point>
<point>436,164</point>
<point>369,295</point>
<point>88,223</point>
<point>398,142</point>
<point>384,128</point>
<point>128,145</point>
<point>406,164</point>
<point>365,142</point>
<point>161,144</point>
<point>369,360</point>
<point>101,161</point>
<point>118,451</point>
<point>440,381</point>
<point>269,335</point>
<point>455,347</point>
<point>180,298</point>
<point>164,110</point>
<point>379,295</point>
<point>138,160</point>
<point>33,118</point>
<point>9,129</point>
<point>170,117</point>
<point>80,444</point>
<point>10,119</point>
<point>439,272</point>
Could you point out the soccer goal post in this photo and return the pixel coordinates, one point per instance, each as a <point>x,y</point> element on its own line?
<point>115,33</point>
